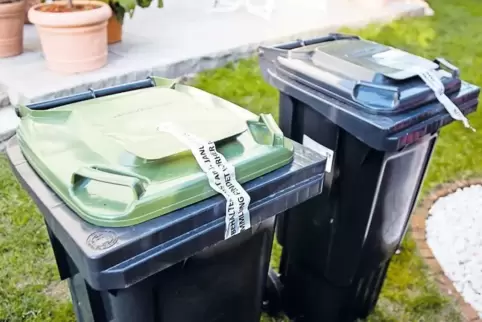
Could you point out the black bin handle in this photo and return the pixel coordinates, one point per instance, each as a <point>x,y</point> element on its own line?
<point>91,94</point>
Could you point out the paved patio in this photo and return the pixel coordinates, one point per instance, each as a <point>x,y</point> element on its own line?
<point>183,38</point>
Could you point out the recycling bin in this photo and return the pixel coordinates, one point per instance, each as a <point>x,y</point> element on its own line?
<point>136,225</point>
<point>366,108</point>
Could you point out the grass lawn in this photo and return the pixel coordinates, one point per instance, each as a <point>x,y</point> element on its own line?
<point>30,290</point>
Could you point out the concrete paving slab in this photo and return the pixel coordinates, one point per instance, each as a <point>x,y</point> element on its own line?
<point>8,124</point>
<point>184,37</point>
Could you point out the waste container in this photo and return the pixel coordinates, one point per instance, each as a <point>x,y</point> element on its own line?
<point>136,227</point>
<point>368,109</point>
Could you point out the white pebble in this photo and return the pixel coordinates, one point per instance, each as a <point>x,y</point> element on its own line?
<point>454,233</point>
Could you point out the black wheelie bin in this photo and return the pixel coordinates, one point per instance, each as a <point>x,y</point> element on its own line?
<point>135,219</point>
<point>365,107</point>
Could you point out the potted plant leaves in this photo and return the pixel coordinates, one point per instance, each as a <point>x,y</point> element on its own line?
<point>120,8</point>
<point>73,34</point>
<point>12,16</point>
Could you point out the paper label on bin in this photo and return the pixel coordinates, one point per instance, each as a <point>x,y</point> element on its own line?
<point>221,176</point>
<point>393,58</point>
<point>433,81</point>
<point>324,151</point>
<point>401,61</point>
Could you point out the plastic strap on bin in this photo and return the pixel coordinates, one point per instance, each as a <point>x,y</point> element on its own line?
<point>433,81</point>
<point>221,177</point>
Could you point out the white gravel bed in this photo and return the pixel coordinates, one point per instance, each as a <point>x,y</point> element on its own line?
<point>454,233</point>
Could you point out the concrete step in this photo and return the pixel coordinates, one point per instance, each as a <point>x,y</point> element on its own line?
<point>4,100</point>
<point>8,124</point>
<point>150,46</point>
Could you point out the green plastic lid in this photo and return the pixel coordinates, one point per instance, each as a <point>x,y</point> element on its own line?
<point>108,161</point>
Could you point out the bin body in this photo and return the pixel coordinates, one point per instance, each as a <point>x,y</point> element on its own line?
<point>346,236</point>
<point>378,126</point>
<point>176,267</point>
<point>221,283</point>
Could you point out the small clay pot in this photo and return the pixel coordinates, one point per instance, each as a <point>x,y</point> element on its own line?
<point>114,30</point>
<point>11,28</point>
<point>74,41</point>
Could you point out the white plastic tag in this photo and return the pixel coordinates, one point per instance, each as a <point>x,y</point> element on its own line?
<point>322,150</point>
<point>433,81</point>
<point>221,177</point>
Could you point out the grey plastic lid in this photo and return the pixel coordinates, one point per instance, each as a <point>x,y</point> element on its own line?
<point>385,113</point>
<point>372,76</point>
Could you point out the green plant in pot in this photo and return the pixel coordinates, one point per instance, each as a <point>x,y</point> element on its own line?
<point>120,8</point>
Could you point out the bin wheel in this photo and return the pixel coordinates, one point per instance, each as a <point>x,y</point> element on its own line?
<point>272,303</point>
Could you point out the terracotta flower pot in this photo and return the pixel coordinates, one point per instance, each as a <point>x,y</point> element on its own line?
<point>72,41</point>
<point>11,28</point>
<point>29,4</point>
<point>114,30</point>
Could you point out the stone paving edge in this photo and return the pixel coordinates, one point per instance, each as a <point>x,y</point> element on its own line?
<point>418,226</point>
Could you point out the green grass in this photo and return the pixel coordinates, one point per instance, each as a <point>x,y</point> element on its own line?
<point>28,275</point>
<point>29,290</point>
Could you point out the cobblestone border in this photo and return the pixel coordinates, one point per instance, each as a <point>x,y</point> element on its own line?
<point>418,232</point>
